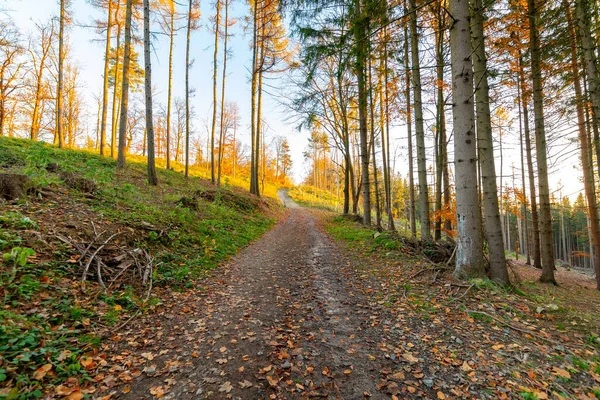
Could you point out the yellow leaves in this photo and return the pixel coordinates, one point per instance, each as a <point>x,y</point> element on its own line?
<point>226,387</point>
<point>87,363</point>
<point>441,395</point>
<point>561,372</point>
<point>466,367</point>
<point>273,381</point>
<point>157,391</point>
<point>410,358</point>
<point>498,346</point>
<point>41,372</point>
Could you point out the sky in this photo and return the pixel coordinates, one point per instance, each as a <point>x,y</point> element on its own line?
<point>88,52</point>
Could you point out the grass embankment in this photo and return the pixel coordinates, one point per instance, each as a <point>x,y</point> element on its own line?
<point>308,196</point>
<point>532,341</point>
<point>81,212</point>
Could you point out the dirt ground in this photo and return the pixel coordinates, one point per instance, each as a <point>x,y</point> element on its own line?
<point>290,318</point>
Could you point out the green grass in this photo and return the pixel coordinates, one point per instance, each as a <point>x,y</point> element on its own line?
<point>365,239</point>
<point>186,243</point>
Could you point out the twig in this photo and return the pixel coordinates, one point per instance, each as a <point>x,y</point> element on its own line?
<point>87,265</point>
<point>425,270</point>
<point>463,295</point>
<point>452,256</point>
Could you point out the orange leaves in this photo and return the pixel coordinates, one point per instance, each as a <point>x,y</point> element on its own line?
<point>41,372</point>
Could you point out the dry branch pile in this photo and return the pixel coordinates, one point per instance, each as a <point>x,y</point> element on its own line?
<point>110,263</point>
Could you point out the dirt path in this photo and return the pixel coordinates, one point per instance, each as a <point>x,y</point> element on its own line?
<point>283,324</point>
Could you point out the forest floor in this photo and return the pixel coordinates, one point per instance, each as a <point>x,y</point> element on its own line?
<point>322,308</point>
<point>318,307</point>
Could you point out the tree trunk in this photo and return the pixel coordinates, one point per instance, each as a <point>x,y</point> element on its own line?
<point>497,258</point>
<point>187,91</point>
<point>373,147</point>
<point>546,250</point>
<point>360,36</point>
<point>385,138</point>
<point>125,88</point>
<point>152,178</point>
<point>253,166</point>
<point>469,242</point>
<point>420,130</point>
<point>59,88</point>
<point>440,121</point>
<point>170,84</point>
<point>222,129</point>
<point>537,262</point>
<point>586,161</point>
<point>524,203</point>
<point>411,180</point>
<point>215,99</point>
<point>105,80</point>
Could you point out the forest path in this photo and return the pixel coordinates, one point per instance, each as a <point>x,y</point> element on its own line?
<point>282,322</point>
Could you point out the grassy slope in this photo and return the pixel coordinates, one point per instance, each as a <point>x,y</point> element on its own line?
<point>558,325</point>
<point>48,322</point>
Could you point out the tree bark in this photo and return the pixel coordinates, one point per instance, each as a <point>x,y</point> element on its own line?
<point>469,241</point>
<point>497,258</point>
<point>187,91</point>
<point>125,90</point>
<point>222,128</point>
<point>586,161</point>
<point>419,128</point>
<point>546,248</point>
<point>59,88</point>
<point>360,36</point>
<point>215,99</point>
<point>411,179</point>
<point>105,81</point>
<point>152,178</point>
<point>170,83</point>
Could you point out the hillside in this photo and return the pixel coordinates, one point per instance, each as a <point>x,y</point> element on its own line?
<point>88,248</point>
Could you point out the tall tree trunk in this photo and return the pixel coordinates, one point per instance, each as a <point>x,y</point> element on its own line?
<point>117,83</point>
<point>170,83</point>
<point>125,88</point>
<point>254,143</point>
<point>222,128</point>
<point>105,80</point>
<point>360,36</point>
<point>469,241</point>
<point>187,90</point>
<point>152,178</point>
<point>385,137</point>
<point>537,260</point>
<point>215,99</point>
<point>493,231</point>
<point>59,87</point>
<point>586,161</point>
<point>373,147</point>
<point>524,202</point>
<point>419,128</point>
<point>440,120</point>
<point>411,179</point>
<point>541,150</point>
